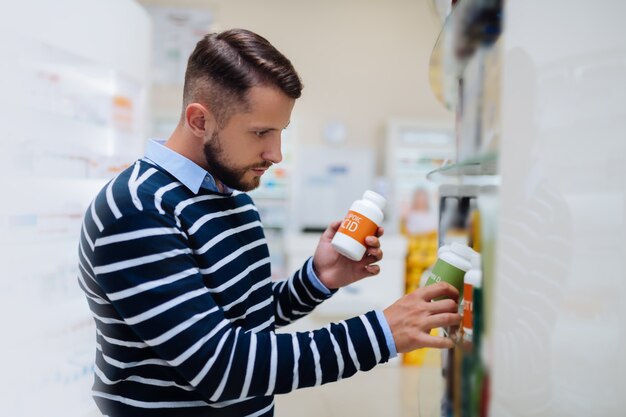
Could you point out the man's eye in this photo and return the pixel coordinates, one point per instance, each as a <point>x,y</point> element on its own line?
<point>260,133</point>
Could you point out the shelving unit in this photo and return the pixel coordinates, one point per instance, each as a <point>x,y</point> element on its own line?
<point>464,78</point>
<point>480,170</point>
<point>470,23</point>
<point>551,120</point>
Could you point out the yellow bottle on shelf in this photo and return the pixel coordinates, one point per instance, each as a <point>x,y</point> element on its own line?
<point>422,254</point>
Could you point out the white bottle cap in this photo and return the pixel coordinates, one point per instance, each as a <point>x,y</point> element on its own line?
<point>476,261</point>
<point>442,249</point>
<point>462,250</point>
<point>375,198</point>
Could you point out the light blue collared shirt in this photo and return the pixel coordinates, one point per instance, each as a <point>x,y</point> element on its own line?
<point>194,177</point>
<point>190,174</point>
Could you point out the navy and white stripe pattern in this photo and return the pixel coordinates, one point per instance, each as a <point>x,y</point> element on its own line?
<point>179,286</point>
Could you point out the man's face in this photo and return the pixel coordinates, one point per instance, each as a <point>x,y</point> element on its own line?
<point>240,152</point>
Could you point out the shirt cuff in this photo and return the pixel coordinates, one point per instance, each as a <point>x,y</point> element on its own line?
<point>391,344</point>
<point>314,279</point>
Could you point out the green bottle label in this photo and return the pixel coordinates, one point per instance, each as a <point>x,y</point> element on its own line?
<point>443,271</point>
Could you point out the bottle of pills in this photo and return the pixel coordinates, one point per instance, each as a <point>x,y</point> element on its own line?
<point>452,264</point>
<point>473,280</point>
<point>362,220</point>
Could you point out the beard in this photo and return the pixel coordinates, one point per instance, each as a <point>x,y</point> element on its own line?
<point>230,176</point>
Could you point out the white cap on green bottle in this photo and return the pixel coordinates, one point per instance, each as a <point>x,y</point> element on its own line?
<point>462,250</point>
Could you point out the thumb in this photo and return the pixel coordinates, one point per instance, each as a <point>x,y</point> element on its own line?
<point>330,231</point>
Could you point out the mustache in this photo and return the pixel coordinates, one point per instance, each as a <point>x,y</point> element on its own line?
<point>264,165</point>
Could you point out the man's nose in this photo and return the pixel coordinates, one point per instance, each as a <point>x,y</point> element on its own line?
<point>273,152</point>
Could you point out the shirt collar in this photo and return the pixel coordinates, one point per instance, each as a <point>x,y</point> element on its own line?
<point>190,174</point>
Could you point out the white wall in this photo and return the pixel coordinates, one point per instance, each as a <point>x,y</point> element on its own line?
<point>63,65</point>
<point>560,283</point>
<point>362,61</point>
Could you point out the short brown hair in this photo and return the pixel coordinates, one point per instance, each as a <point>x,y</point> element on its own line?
<point>224,66</point>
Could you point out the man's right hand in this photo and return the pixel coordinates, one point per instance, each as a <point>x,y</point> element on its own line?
<point>413,316</point>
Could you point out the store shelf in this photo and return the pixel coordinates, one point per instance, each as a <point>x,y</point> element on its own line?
<point>470,24</point>
<point>479,170</point>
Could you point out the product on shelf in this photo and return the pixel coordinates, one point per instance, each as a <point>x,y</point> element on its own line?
<point>421,255</point>
<point>458,215</point>
<point>452,264</point>
<point>464,372</point>
<point>471,281</point>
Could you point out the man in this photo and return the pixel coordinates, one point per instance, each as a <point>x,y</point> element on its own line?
<point>176,269</point>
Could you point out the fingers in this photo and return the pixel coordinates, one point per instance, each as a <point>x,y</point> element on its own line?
<point>373,246</point>
<point>372,269</point>
<point>440,289</point>
<point>330,231</point>
<point>437,342</point>
<point>372,256</point>
<point>335,225</point>
<point>372,242</point>
<point>443,306</point>
<point>373,249</point>
<point>377,254</point>
<point>443,320</point>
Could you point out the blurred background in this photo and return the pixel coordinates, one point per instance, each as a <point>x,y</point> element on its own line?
<point>499,124</point>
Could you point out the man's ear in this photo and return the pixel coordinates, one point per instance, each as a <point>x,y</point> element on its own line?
<point>199,120</point>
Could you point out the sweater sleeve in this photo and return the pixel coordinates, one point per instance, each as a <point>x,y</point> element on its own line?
<point>146,268</point>
<point>297,296</point>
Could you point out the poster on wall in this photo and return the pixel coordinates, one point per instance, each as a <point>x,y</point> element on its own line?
<point>69,124</point>
<point>90,117</point>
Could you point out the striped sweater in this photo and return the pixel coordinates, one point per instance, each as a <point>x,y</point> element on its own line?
<point>179,286</point>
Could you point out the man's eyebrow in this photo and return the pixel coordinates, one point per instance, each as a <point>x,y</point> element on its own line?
<point>260,127</point>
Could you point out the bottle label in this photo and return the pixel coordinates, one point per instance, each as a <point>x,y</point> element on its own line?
<point>357,226</point>
<point>468,307</point>
<point>443,271</point>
